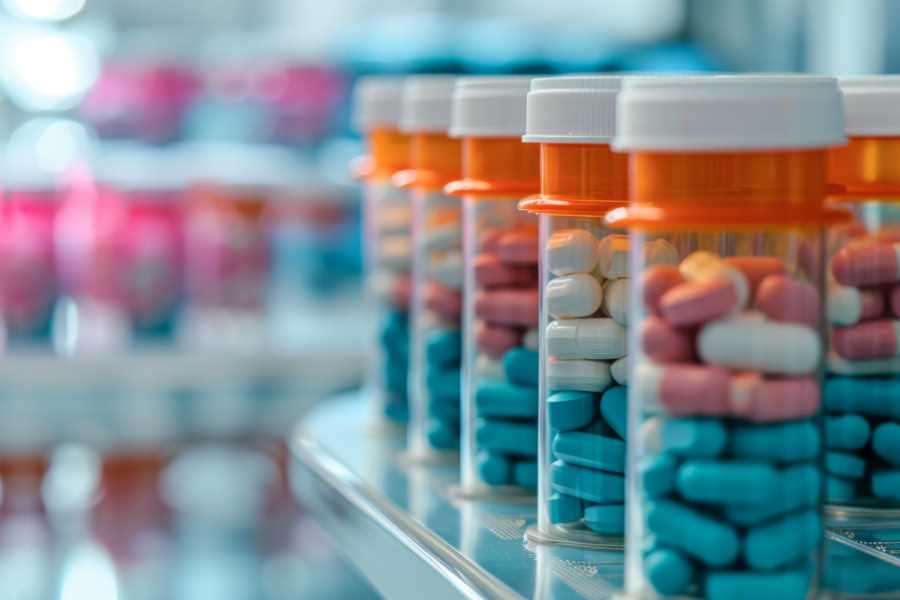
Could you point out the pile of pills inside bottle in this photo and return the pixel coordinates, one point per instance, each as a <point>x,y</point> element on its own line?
<point>727,343</point>
<point>388,222</point>
<point>862,393</point>
<point>500,387</point>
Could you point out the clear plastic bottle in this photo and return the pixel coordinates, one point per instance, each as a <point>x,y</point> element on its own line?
<point>436,337</point>
<point>863,459</point>
<point>387,217</point>
<point>582,261</point>
<point>726,481</point>
<point>500,308</point>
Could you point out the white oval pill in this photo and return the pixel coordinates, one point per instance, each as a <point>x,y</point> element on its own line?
<point>750,343</point>
<point>615,300</point>
<point>573,296</point>
<point>619,371</point>
<point>601,338</point>
<point>660,252</point>
<point>612,258</point>
<point>395,252</point>
<point>571,251</point>
<point>647,379</point>
<point>448,270</point>
<point>584,375</point>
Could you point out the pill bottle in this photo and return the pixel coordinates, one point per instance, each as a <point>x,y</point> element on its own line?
<point>437,270</point>
<point>584,316</point>
<point>500,308</point>
<point>862,389</point>
<point>725,481</point>
<point>387,222</point>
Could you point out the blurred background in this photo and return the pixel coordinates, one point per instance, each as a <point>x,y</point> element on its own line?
<point>180,268</point>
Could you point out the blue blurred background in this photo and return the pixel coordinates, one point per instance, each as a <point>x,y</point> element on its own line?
<point>180,252</point>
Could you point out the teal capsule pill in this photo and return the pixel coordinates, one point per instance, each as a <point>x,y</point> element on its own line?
<point>886,484</point>
<point>784,541</point>
<point>846,432</point>
<point>787,442</point>
<point>567,411</point>
<point>749,585</point>
<point>798,487</point>
<point>606,519</point>
<point>846,465</point>
<point>614,408</point>
<point>521,367</point>
<point>588,484</point>
<point>494,469</point>
<point>565,508</point>
<point>590,450</point>
<point>668,571</point>
<point>693,437</point>
<point>444,347</point>
<point>506,437</point>
<point>658,474</point>
<point>702,536</point>
<point>727,482</point>
<point>886,442</point>
<point>867,395</point>
<point>501,399</point>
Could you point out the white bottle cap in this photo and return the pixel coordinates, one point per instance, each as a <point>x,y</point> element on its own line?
<point>427,104</point>
<point>572,109</point>
<point>376,102</point>
<point>729,112</point>
<point>489,106</point>
<point>871,105</point>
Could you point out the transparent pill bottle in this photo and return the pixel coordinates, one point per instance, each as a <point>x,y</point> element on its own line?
<point>500,307</point>
<point>581,449</point>
<point>436,301</point>
<point>387,222</point>
<point>862,389</point>
<point>725,436</point>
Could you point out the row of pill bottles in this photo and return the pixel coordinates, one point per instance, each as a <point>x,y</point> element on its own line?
<point>436,303</point>
<point>862,388</point>
<point>500,308</point>
<point>387,221</point>
<point>725,431</point>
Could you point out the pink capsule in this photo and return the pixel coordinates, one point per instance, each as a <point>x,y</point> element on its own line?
<point>784,299</point>
<point>495,341</point>
<point>444,301</point>
<point>489,240</point>
<point>868,264</point>
<point>757,268</point>
<point>769,400</point>
<point>508,307</point>
<point>685,389</point>
<point>665,344</point>
<point>657,281</point>
<point>693,303</point>
<point>400,295</point>
<point>868,340</point>
<point>895,301</point>
<point>519,247</point>
<point>490,271</point>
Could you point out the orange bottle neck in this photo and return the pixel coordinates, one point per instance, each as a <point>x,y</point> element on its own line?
<point>435,159</point>
<point>388,153</point>
<point>708,190</point>
<point>580,180</point>
<point>497,167</point>
<point>868,167</point>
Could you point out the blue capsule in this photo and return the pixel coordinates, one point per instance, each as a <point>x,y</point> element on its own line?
<point>868,395</point>
<point>784,541</point>
<point>587,484</point>
<point>668,571</point>
<point>565,508</point>
<point>846,432</point>
<point>444,347</point>
<point>505,437</point>
<point>494,469</point>
<point>693,437</point>
<point>746,585</point>
<point>500,399</point>
<point>658,474</point>
<point>443,385</point>
<point>798,487</point>
<point>570,410</point>
<point>674,524</point>
<point>727,482</point>
<point>442,436</point>
<point>521,366</point>
<point>614,408</point>
<point>886,484</point>
<point>843,573</point>
<point>605,519</point>
<point>525,474</point>
<point>886,442</point>
<point>589,450</point>
<point>846,465</point>
<point>841,490</point>
<point>787,442</point>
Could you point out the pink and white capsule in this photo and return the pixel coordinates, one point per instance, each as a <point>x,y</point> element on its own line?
<point>598,339</point>
<point>712,290</point>
<point>787,300</point>
<point>848,305</point>
<point>665,344</point>
<point>573,296</point>
<point>869,340</point>
<point>751,343</point>
<point>656,282</point>
<point>867,264</point>
<point>883,366</point>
